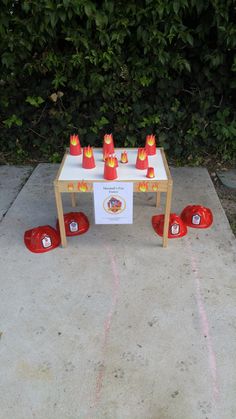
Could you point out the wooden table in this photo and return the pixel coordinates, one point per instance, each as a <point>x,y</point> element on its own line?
<point>72,178</point>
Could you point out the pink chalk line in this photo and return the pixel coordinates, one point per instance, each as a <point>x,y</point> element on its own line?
<point>107,325</point>
<point>204,324</point>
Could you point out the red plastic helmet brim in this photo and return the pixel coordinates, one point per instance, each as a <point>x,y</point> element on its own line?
<point>176,228</point>
<point>76,223</point>
<point>197,216</point>
<point>41,239</point>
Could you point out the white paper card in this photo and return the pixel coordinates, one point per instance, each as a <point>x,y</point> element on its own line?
<point>113,202</point>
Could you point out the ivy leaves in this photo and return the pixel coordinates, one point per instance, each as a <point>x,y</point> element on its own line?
<point>152,65</point>
<point>35,101</point>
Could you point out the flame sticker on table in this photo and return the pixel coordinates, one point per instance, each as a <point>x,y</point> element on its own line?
<point>82,186</point>
<point>70,187</point>
<point>142,186</point>
<point>155,187</point>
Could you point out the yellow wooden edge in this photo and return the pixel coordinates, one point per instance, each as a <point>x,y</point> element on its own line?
<point>61,166</point>
<point>87,186</point>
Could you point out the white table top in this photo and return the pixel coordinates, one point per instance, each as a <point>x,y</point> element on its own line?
<point>72,169</point>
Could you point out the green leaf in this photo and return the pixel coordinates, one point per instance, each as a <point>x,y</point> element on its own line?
<point>89,9</point>
<point>101,19</point>
<point>8,59</point>
<point>176,6</point>
<point>160,9</point>
<point>187,65</point>
<point>53,19</point>
<point>12,120</point>
<point>189,38</point>
<point>66,3</point>
<point>25,6</point>
<point>59,80</point>
<point>103,121</point>
<point>34,100</point>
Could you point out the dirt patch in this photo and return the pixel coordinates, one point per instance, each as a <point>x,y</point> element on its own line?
<point>228,200</point>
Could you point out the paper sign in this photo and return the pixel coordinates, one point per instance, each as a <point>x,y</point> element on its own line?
<point>113,202</point>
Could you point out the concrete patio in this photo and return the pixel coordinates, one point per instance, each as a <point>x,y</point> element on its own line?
<point>114,326</point>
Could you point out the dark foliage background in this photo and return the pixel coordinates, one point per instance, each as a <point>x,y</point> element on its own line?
<point>131,67</point>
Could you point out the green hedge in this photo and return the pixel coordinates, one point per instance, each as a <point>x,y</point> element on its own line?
<point>131,67</point>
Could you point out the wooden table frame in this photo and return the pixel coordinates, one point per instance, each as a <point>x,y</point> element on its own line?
<point>156,186</point>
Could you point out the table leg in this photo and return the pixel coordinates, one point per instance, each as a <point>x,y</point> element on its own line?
<point>158,200</point>
<point>167,213</point>
<point>60,216</point>
<point>73,199</point>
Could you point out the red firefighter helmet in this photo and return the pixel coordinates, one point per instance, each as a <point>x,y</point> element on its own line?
<point>76,223</point>
<point>42,239</point>
<point>197,216</point>
<point>177,228</point>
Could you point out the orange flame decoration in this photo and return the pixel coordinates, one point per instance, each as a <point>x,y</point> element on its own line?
<point>151,139</point>
<point>150,172</point>
<point>82,186</point>
<point>105,156</point>
<point>124,157</point>
<point>88,151</point>
<point>74,139</point>
<point>108,138</point>
<point>70,187</point>
<point>143,187</point>
<point>155,187</point>
<point>111,161</point>
<point>142,154</point>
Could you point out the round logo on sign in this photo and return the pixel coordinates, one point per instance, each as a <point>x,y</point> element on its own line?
<point>114,204</point>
